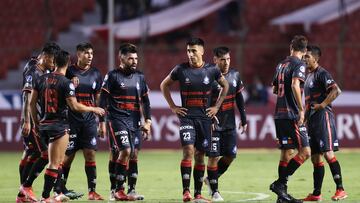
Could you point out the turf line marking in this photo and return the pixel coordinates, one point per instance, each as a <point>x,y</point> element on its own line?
<point>258,196</point>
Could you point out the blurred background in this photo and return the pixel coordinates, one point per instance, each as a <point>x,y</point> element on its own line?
<point>258,33</point>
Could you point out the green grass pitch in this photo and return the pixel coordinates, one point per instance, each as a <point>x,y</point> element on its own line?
<point>247,180</point>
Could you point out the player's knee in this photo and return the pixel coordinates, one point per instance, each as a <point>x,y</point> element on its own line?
<point>188,152</point>
<point>305,153</point>
<point>329,155</point>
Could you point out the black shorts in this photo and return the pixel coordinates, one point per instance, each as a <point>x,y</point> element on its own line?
<point>34,143</point>
<point>121,137</point>
<point>82,136</point>
<point>54,131</point>
<point>227,142</point>
<point>290,135</point>
<point>322,132</point>
<point>198,132</point>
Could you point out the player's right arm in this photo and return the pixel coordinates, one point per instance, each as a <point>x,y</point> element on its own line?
<point>165,89</point>
<point>33,109</point>
<point>76,106</point>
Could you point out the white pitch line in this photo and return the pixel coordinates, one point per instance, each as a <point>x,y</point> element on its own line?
<point>259,196</point>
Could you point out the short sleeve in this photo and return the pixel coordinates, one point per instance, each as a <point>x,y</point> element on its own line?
<point>327,80</point>
<point>98,81</point>
<point>217,74</point>
<point>144,87</point>
<point>28,81</point>
<point>299,72</point>
<point>240,84</point>
<point>105,84</point>
<point>174,75</point>
<point>69,89</point>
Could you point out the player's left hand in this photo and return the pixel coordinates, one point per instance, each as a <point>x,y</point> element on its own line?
<point>242,128</point>
<point>317,107</point>
<point>146,131</point>
<point>212,111</point>
<point>26,127</point>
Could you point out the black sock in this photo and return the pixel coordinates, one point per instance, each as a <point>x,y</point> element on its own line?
<point>292,166</point>
<point>121,172</point>
<point>132,174</point>
<point>112,174</point>
<point>222,166</point>
<point>185,174</point>
<point>336,173</point>
<point>37,168</point>
<point>64,177</point>
<point>90,169</point>
<point>198,178</point>
<point>27,168</point>
<point>318,176</point>
<point>22,164</point>
<point>213,178</point>
<point>59,181</point>
<point>50,178</point>
<point>282,168</point>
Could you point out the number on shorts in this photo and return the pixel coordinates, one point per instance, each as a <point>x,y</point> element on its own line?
<point>186,136</point>
<point>124,139</point>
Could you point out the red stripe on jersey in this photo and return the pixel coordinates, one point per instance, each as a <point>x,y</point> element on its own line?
<point>125,97</point>
<point>195,93</point>
<point>185,163</point>
<point>83,95</point>
<point>128,106</point>
<point>227,106</point>
<point>90,163</point>
<point>230,96</point>
<point>316,95</point>
<point>51,173</point>
<point>329,130</point>
<point>199,167</point>
<point>196,102</point>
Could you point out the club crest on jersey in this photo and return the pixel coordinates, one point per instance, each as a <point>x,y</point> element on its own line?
<point>187,81</point>
<point>122,85</point>
<point>137,86</point>
<point>206,80</point>
<point>234,83</point>
<point>311,85</point>
<point>94,85</point>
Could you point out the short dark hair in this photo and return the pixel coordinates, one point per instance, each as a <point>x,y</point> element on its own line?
<point>221,51</point>
<point>127,48</point>
<point>62,58</point>
<point>315,50</point>
<point>51,48</point>
<point>195,41</point>
<point>84,46</point>
<point>299,43</point>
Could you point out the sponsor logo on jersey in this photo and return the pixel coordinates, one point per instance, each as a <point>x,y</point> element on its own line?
<point>71,86</point>
<point>123,132</point>
<point>122,85</point>
<point>302,69</point>
<point>329,81</point>
<point>311,85</point>
<point>94,85</point>
<point>28,78</point>
<point>234,83</point>
<point>137,86</point>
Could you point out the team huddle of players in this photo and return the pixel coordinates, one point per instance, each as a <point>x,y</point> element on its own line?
<point>66,107</point>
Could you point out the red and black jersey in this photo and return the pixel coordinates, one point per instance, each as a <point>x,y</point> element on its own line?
<point>195,87</point>
<point>122,94</point>
<point>226,113</point>
<point>317,87</point>
<point>286,106</point>
<point>53,89</point>
<point>31,73</point>
<point>89,85</point>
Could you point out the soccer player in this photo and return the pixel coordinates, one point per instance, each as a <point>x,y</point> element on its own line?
<point>123,93</point>
<point>289,116</point>
<point>226,129</point>
<point>35,156</point>
<point>195,114</point>
<point>83,126</point>
<point>53,92</point>
<point>320,91</point>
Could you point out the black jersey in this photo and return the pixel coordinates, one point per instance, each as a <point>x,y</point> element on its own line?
<point>195,87</point>
<point>226,113</point>
<point>125,93</point>
<point>317,87</point>
<point>286,106</point>
<point>53,89</point>
<point>89,85</point>
<point>31,73</point>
